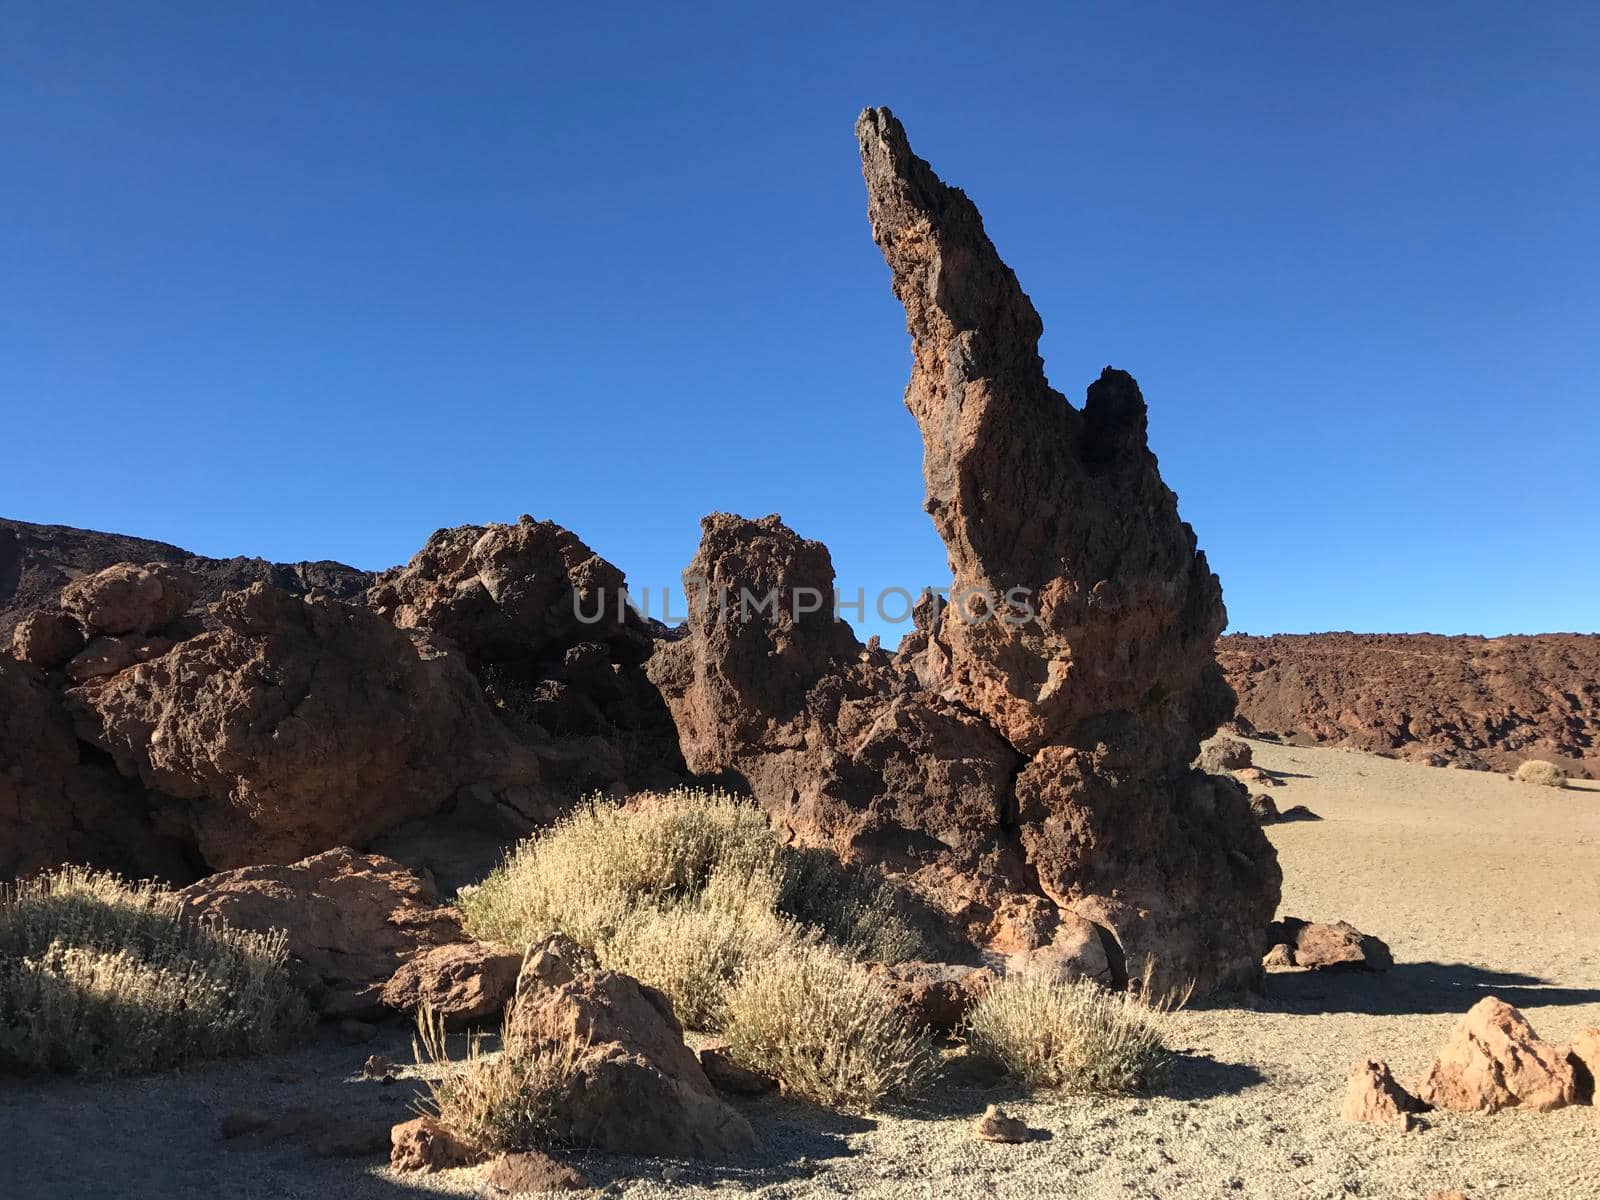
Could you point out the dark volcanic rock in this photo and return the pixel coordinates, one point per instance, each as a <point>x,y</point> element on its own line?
<point>38,561</point>
<point>1444,701</point>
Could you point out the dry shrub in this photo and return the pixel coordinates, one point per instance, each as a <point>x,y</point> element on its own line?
<point>825,1030</point>
<point>1546,774</point>
<point>103,977</point>
<point>1077,1035</point>
<point>682,891</point>
<point>499,1102</point>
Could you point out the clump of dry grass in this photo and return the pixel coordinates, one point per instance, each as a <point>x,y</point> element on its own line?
<point>103,977</point>
<point>1546,774</point>
<point>682,890</point>
<point>825,1030</point>
<point>500,1102</point>
<point>1074,1035</point>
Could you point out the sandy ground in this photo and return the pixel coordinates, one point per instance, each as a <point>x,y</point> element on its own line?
<point>1480,885</point>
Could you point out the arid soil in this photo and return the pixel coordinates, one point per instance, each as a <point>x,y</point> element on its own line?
<point>1458,701</point>
<point>1480,885</point>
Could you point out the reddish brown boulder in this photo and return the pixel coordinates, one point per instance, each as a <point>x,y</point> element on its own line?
<point>296,725</point>
<point>997,1126</point>
<point>1330,946</point>
<point>933,996</point>
<point>46,638</point>
<point>1372,1097</point>
<point>107,655</point>
<point>465,983</point>
<point>351,920</point>
<point>637,1089</point>
<point>128,598</point>
<point>531,1171</point>
<point>424,1144</point>
<point>1493,1060</point>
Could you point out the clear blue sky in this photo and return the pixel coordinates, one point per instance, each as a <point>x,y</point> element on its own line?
<point>312,280</point>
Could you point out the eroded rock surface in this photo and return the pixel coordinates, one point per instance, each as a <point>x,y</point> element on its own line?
<point>1372,1097</point>
<point>1023,763</point>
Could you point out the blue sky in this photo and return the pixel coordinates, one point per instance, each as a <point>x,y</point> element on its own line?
<point>307,280</point>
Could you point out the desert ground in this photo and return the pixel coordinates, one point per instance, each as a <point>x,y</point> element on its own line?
<point>1479,884</point>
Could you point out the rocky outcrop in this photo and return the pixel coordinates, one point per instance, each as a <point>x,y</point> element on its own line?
<point>1494,1060</point>
<point>38,561</point>
<point>544,624</point>
<point>298,724</point>
<point>1372,1097</point>
<point>1022,765</point>
<point>1445,701</point>
<point>351,920</point>
<point>636,1087</point>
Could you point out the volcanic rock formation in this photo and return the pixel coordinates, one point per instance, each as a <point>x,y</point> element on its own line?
<point>1446,701</point>
<point>1023,763</point>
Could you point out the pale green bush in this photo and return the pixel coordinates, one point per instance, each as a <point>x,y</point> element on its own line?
<point>1546,774</point>
<point>102,977</point>
<point>682,891</point>
<point>827,1031</point>
<point>1076,1035</point>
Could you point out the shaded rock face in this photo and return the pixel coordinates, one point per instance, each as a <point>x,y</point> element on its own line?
<point>1025,775</point>
<point>544,626</point>
<point>62,801</point>
<point>351,921</point>
<point>1444,701</point>
<point>1029,492</point>
<point>299,724</point>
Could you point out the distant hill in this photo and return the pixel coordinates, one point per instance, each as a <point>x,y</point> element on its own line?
<point>1451,701</point>
<point>36,561</point>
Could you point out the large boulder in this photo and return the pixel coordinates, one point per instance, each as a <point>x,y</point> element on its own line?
<point>636,1087</point>
<point>128,598</point>
<point>46,638</point>
<point>1494,1060</point>
<point>299,724</point>
<point>351,921</point>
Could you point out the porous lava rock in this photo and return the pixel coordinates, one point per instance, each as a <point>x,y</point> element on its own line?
<point>1025,758</point>
<point>350,920</point>
<point>298,724</point>
<point>427,1144</point>
<point>128,598</point>
<point>1328,946</point>
<point>1493,1060</point>
<point>46,638</point>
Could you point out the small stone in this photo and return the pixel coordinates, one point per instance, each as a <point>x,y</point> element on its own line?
<point>996,1126</point>
<point>425,1144</point>
<point>533,1171</point>
<point>377,1067</point>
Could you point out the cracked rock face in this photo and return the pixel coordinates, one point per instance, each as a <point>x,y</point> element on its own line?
<point>1022,765</point>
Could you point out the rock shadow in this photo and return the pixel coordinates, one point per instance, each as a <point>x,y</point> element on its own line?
<point>1413,988</point>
